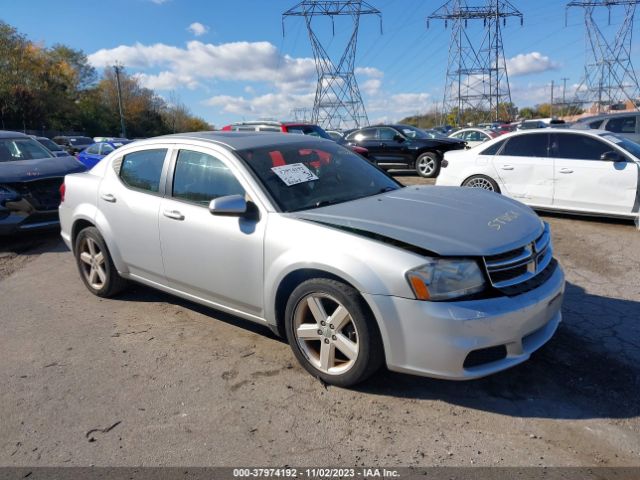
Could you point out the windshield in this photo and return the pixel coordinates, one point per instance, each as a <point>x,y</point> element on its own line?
<point>51,145</point>
<point>434,134</point>
<point>632,147</point>
<point>309,175</point>
<point>313,130</point>
<point>412,132</point>
<point>81,141</point>
<point>13,149</point>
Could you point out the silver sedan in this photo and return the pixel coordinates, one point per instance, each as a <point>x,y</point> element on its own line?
<point>313,241</point>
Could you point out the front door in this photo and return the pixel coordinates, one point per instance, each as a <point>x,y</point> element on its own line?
<point>524,167</point>
<point>584,182</point>
<point>216,258</point>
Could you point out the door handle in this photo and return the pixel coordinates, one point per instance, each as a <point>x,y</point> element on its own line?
<point>507,167</point>
<point>566,170</point>
<point>174,214</point>
<point>107,197</point>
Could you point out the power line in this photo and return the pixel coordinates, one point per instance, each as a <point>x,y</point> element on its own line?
<point>338,103</point>
<point>609,79</point>
<point>477,80</point>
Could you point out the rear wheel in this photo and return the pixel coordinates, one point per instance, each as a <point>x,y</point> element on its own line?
<point>483,182</point>
<point>428,165</point>
<point>95,264</point>
<point>332,333</point>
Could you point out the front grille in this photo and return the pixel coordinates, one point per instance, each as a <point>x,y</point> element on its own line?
<point>41,194</point>
<point>515,267</point>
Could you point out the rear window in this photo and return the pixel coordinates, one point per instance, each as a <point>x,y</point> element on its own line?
<point>142,170</point>
<point>312,130</point>
<point>527,146</point>
<point>81,141</point>
<point>22,149</point>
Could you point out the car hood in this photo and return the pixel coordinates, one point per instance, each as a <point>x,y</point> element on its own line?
<point>437,141</point>
<point>448,221</point>
<point>28,170</point>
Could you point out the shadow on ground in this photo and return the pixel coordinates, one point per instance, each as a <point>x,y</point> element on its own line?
<point>572,377</point>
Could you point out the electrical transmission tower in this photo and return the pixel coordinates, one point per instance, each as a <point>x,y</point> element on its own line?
<point>302,114</point>
<point>477,82</point>
<point>609,77</point>
<point>338,102</point>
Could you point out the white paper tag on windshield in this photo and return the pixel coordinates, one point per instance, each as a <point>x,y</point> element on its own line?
<point>294,174</point>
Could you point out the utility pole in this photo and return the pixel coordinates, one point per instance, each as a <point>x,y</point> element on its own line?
<point>564,95</point>
<point>117,68</point>
<point>551,104</point>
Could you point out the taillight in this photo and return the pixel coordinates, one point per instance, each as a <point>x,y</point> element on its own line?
<point>63,190</point>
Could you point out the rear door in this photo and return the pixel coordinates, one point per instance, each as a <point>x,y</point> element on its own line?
<point>129,198</point>
<point>367,138</point>
<point>584,182</point>
<point>525,169</point>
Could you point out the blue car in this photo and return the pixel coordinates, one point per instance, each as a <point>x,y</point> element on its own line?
<point>91,155</point>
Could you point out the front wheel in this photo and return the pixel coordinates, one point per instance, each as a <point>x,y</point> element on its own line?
<point>332,333</point>
<point>428,165</point>
<point>483,182</point>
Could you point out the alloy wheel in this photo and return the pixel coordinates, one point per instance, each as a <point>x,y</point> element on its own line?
<point>328,341</point>
<point>93,263</point>
<point>426,165</point>
<point>482,183</point>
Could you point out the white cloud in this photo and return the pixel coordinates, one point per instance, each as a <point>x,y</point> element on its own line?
<point>369,72</point>
<point>271,105</point>
<point>197,29</point>
<point>238,61</point>
<point>400,104</point>
<point>527,63</point>
<point>372,86</point>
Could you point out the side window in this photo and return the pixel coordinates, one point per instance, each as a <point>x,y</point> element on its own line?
<point>578,147</point>
<point>386,133</point>
<point>527,146</point>
<point>200,178</point>
<point>364,134</point>
<point>493,149</point>
<point>621,125</point>
<point>269,129</point>
<point>106,149</point>
<point>142,170</point>
<point>457,135</point>
<point>596,125</point>
<point>94,149</point>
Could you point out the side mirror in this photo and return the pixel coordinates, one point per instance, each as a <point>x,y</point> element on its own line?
<point>398,138</point>
<point>612,157</point>
<point>233,205</point>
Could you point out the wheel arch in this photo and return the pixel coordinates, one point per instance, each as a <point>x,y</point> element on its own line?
<point>496,181</point>
<point>294,278</point>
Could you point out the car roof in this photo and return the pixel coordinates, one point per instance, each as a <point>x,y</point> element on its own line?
<point>10,134</point>
<point>240,140</point>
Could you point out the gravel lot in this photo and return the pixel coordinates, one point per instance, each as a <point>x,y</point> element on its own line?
<point>149,379</point>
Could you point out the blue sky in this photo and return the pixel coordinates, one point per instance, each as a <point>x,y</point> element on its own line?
<point>235,64</point>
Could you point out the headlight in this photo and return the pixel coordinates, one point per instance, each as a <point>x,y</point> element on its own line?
<point>445,279</point>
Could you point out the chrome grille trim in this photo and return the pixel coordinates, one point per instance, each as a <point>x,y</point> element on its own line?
<point>535,257</point>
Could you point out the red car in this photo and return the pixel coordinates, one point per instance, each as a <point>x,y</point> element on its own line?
<point>290,127</point>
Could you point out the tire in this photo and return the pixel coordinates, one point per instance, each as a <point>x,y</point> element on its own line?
<point>483,182</point>
<point>95,265</point>
<point>343,353</point>
<point>428,165</point>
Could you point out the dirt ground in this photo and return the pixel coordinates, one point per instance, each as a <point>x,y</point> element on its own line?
<point>149,379</point>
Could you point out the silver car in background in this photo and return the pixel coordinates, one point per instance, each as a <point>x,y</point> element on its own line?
<point>321,246</point>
